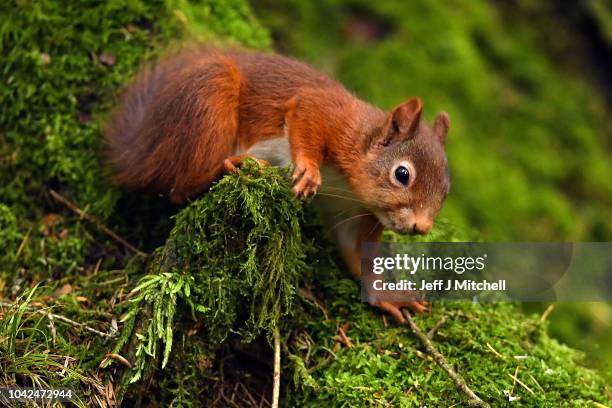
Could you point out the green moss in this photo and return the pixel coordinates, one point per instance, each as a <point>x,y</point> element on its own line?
<point>63,65</point>
<point>9,237</point>
<point>232,261</point>
<point>232,22</point>
<point>229,264</point>
<point>387,366</point>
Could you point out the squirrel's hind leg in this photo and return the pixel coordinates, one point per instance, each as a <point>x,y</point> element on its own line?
<point>367,228</point>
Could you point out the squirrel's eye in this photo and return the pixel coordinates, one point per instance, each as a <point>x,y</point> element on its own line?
<point>402,175</point>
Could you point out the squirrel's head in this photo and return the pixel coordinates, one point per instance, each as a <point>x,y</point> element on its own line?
<point>406,167</point>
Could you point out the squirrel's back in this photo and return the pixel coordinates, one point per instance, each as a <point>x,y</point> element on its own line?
<point>181,117</point>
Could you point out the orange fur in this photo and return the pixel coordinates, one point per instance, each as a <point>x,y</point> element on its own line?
<point>194,115</point>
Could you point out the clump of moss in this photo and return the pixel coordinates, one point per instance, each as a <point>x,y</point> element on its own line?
<point>232,262</point>
<point>387,366</point>
<point>243,245</point>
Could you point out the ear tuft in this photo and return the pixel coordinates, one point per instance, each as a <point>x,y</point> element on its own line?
<point>441,126</point>
<point>400,125</point>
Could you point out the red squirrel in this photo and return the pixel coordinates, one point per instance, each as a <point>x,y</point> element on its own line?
<point>196,115</point>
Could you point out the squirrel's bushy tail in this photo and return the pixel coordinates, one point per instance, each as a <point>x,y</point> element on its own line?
<point>122,129</point>
<point>175,124</point>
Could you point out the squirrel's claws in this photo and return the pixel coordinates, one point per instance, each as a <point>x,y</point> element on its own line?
<point>394,308</point>
<point>297,174</point>
<point>306,179</point>
<point>307,185</point>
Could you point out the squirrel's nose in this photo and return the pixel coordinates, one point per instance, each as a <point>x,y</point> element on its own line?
<point>423,227</point>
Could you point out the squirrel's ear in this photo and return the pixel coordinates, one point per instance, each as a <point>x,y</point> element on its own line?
<point>405,118</point>
<point>441,125</point>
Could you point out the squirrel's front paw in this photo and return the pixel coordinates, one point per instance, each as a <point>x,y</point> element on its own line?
<point>306,179</point>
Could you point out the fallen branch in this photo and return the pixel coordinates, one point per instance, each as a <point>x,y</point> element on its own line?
<point>58,197</point>
<point>61,319</point>
<point>474,400</point>
<point>277,369</point>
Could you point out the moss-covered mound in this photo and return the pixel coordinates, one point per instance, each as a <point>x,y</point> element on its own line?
<point>487,344</point>
<point>232,261</point>
<point>82,307</point>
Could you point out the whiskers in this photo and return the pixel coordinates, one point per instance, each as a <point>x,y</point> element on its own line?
<point>340,189</point>
<point>373,202</point>
<point>359,209</point>
<point>344,221</point>
<point>335,185</point>
<point>376,225</point>
<point>321,193</point>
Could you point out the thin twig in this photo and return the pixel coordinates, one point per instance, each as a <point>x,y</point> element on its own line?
<point>514,381</point>
<point>342,337</point>
<point>308,295</point>
<point>248,394</point>
<point>437,326</point>
<point>62,319</point>
<point>277,369</point>
<point>547,312</point>
<point>264,401</point>
<point>521,383</point>
<point>23,244</point>
<point>536,383</point>
<point>58,197</point>
<point>497,353</point>
<point>229,401</point>
<point>474,400</point>
<point>52,327</point>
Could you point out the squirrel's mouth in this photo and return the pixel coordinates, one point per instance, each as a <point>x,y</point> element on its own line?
<point>386,220</point>
<point>403,221</point>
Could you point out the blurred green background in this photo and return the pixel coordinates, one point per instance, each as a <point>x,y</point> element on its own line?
<point>528,88</point>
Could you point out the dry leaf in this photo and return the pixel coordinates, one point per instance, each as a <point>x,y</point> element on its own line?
<point>64,290</point>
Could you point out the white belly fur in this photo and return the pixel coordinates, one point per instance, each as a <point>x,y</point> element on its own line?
<point>275,151</point>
